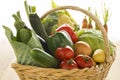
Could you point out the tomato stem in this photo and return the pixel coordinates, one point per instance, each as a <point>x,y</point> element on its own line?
<point>70,61</point>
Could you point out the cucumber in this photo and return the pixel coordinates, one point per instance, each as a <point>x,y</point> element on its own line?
<point>44,59</point>
<point>37,26</point>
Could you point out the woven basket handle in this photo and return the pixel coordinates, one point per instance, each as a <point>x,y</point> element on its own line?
<point>105,37</point>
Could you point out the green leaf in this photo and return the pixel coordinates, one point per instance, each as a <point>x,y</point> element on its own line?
<point>27,8</point>
<point>24,35</point>
<point>34,41</point>
<point>33,9</point>
<point>49,21</point>
<point>106,14</point>
<point>18,21</point>
<point>9,34</point>
<point>18,14</point>
<point>54,5</point>
<point>21,50</point>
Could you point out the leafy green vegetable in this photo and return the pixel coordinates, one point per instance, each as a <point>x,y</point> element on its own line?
<point>24,35</point>
<point>95,40</point>
<point>58,18</point>
<point>18,21</point>
<point>49,21</point>
<point>22,50</point>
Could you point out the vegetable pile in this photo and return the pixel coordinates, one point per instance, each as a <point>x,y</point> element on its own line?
<point>56,41</point>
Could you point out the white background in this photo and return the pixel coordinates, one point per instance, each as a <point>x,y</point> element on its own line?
<point>8,7</point>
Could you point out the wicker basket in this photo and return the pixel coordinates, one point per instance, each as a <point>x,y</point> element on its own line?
<point>98,72</point>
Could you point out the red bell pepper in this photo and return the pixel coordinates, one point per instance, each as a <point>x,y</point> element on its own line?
<point>67,28</point>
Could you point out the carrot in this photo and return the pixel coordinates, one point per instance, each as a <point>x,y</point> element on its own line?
<point>106,27</point>
<point>84,23</point>
<point>106,17</point>
<point>89,26</point>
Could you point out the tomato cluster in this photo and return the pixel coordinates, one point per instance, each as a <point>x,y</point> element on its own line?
<point>70,61</point>
<point>66,55</point>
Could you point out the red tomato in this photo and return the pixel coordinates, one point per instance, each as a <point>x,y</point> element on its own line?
<point>84,61</point>
<point>70,64</point>
<point>65,53</point>
<point>67,28</point>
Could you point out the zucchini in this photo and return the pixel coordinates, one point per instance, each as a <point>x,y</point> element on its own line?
<point>36,24</point>
<point>44,59</point>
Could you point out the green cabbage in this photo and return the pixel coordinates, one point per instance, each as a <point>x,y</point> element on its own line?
<point>95,39</point>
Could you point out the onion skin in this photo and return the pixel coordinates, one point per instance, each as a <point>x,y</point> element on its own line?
<point>82,47</point>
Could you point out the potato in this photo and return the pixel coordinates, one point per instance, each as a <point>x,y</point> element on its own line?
<point>82,47</point>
